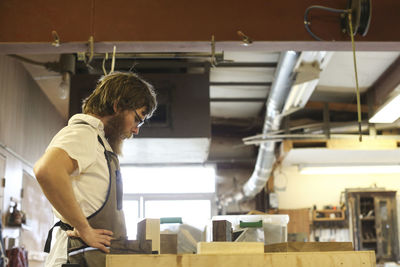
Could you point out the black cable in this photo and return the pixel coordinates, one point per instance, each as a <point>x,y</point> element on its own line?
<point>51,66</point>
<point>27,60</point>
<point>307,22</point>
<point>365,17</point>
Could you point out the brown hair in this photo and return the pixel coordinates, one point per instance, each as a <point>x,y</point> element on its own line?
<point>126,89</point>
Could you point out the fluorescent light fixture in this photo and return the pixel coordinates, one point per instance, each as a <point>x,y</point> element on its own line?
<point>349,169</point>
<point>299,95</point>
<point>308,68</point>
<point>389,112</point>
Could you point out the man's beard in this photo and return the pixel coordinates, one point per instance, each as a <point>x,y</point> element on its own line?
<point>113,130</point>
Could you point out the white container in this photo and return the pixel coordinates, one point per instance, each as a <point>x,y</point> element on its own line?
<point>274,225</point>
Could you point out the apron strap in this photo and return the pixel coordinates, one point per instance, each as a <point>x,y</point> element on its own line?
<point>63,226</point>
<point>101,141</point>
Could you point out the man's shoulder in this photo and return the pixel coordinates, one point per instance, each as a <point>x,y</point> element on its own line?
<point>85,119</point>
<point>76,133</point>
<point>80,128</point>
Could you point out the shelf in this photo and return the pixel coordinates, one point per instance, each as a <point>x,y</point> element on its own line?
<point>369,241</point>
<point>328,219</point>
<point>372,218</point>
<point>338,215</point>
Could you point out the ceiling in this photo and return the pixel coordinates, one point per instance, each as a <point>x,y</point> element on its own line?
<point>232,115</point>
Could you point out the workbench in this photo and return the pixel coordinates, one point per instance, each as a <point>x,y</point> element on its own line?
<point>278,259</point>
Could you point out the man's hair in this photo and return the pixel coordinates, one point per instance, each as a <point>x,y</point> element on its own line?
<point>126,89</point>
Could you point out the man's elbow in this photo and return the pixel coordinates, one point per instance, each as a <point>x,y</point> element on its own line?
<point>41,172</point>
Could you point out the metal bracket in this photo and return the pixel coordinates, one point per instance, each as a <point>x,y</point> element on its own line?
<point>213,59</point>
<point>245,39</point>
<point>56,38</point>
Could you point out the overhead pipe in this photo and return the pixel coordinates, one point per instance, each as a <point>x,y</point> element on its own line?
<point>266,157</point>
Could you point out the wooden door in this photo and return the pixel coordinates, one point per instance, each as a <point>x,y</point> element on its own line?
<point>353,212</point>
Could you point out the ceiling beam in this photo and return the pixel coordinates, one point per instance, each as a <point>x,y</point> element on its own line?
<point>239,122</point>
<point>247,64</point>
<point>235,100</point>
<point>240,83</point>
<point>132,22</point>
<point>335,106</point>
<point>386,83</point>
<point>204,46</point>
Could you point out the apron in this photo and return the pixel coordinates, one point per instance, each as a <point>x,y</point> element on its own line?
<point>109,216</point>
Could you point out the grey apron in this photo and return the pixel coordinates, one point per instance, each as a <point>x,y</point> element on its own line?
<point>109,216</point>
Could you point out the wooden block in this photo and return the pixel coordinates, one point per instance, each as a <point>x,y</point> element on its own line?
<point>309,246</point>
<point>222,230</point>
<point>168,244</point>
<point>230,247</point>
<point>149,229</point>
<point>299,220</point>
<point>124,246</point>
<point>290,259</point>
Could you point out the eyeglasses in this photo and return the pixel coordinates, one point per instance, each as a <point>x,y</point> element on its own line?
<point>138,119</point>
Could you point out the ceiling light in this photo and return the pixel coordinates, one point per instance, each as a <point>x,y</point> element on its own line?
<point>63,87</point>
<point>307,71</point>
<point>349,169</point>
<point>389,112</point>
<point>298,96</point>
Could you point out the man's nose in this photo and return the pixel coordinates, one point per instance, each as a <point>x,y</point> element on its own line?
<point>135,130</point>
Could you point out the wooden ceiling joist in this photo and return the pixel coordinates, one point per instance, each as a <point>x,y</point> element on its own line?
<point>134,25</point>
<point>335,106</point>
<point>386,83</point>
<point>344,144</point>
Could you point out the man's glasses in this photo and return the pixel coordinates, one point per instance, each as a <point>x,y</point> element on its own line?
<point>139,121</point>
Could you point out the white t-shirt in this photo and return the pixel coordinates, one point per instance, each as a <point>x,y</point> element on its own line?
<point>89,182</point>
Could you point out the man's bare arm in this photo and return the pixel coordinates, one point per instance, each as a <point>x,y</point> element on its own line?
<point>53,172</point>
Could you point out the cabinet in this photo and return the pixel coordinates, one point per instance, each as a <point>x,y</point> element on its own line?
<point>373,221</point>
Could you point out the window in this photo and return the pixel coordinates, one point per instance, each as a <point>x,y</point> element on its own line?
<point>141,180</point>
<point>157,192</point>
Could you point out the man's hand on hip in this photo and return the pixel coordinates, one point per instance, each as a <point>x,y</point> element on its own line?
<point>96,238</point>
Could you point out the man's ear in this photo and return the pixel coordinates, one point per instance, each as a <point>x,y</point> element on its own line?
<point>115,106</point>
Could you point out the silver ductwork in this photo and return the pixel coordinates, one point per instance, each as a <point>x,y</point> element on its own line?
<point>279,91</point>
<point>266,156</point>
<point>295,80</point>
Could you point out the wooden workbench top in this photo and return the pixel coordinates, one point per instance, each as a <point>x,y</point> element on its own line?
<point>287,259</point>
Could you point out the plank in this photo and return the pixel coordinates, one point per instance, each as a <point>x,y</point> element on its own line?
<point>230,247</point>
<point>347,143</point>
<point>309,246</point>
<point>168,244</point>
<point>291,259</point>
<point>366,144</point>
<point>149,229</point>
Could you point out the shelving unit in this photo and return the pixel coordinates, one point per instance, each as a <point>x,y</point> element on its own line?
<point>373,221</point>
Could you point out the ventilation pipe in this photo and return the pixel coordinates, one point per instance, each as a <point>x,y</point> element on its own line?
<point>266,156</point>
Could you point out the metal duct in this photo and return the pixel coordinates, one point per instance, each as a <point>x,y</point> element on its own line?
<point>276,99</point>
<point>279,92</point>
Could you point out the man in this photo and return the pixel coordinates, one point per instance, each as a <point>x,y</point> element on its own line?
<point>79,172</point>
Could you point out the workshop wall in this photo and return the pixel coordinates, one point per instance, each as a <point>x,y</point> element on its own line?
<point>28,121</point>
<point>297,190</point>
